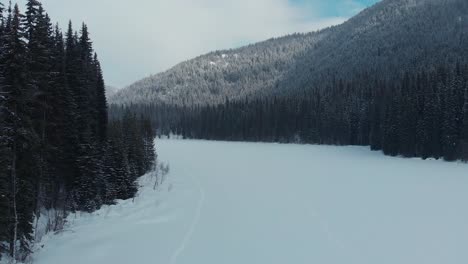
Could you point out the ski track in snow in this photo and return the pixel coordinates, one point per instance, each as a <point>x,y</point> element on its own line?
<point>193,224</point>
<point>254,203</point>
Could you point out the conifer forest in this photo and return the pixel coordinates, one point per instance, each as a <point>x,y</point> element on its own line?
<point>57,148</point>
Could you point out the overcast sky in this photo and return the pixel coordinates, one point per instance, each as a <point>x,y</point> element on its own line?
<point>136,38</point>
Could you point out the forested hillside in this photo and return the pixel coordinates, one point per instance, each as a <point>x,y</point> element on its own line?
<point>213,77</point>
<point>387,39</point>
<point>58,153</point>
<point>423,114</point>
<point>393,77</point>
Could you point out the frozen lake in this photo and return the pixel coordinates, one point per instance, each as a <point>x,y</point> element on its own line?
<point>231,203</point>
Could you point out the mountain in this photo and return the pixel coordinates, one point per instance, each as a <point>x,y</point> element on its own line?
<point>386,39</point>
<point>213,77</point>
<point>111,91</point>
<point>392,37</point>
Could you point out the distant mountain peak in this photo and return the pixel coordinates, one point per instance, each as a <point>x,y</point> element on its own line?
<point>385,39</point>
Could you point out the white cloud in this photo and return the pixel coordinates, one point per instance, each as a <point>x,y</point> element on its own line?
<point>142,37</point>
<point>353,6</point>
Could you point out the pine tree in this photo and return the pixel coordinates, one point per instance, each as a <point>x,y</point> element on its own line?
<point>38,28</point>
<point>148,143</point>
<point>408,120</point>
<point>450,134</point>
<point>56,150</point>
<point>431,129</point>
<point>390,137</point>
<point>464,129</point>
<point>63,131</point>
<point>5,136</point>
<point>121,183</point>
<point>375,133</point>
<point>88,93</point>
<point>101,102</point>
<point>21,139</point>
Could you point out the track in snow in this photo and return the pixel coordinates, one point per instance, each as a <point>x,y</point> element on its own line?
<point>237,203</point>
<point>189,233</point>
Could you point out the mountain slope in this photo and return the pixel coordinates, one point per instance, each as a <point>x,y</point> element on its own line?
<point>111,91</point>
<point>386,39</point>
<point>217,75</point>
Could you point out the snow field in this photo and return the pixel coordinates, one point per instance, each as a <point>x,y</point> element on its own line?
<point>274,204</point>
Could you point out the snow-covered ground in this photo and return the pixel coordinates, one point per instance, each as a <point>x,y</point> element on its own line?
<point>231,203</point>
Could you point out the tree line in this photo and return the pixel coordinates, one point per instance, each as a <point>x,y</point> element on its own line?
<point>57,148</point>
<point>424,114</point>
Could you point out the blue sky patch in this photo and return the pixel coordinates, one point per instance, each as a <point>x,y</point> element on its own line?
<point>334,8</point>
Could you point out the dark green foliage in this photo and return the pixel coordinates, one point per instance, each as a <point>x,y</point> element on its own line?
<point>56,150</point>
<point>422,114</point>
<point>385,40</point>
<point>21,140</point>
<point>131,154</point>
<point>450,114</point>
<point>464,128</point>
<point>101,102</point>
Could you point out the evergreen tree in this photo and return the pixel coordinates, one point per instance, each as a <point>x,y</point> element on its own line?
<point>38,37</point>
<point>418,115</point>
<point>450,134</point>
<point>464,129</point>
<point>101,101</point>
<point>56,151</point>
<point>21,139</point>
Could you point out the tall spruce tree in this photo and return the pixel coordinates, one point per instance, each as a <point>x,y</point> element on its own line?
<point>464,129</point>
<point>101,102</point>
<point>56,151</point>
<point>450,131</point>
<point>21,142</point>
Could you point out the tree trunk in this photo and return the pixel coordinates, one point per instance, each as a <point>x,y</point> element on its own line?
<point>13,251</point>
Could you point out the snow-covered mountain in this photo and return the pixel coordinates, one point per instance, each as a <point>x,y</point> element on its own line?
<point>111,91</point>
<point>385,39</point>
<point>217,75</point>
